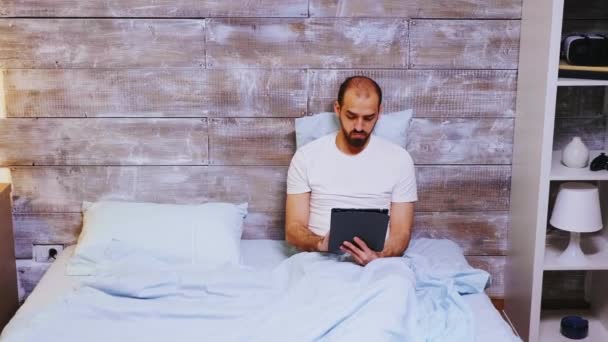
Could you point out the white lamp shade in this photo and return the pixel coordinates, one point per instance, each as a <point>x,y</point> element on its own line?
<point>5,175</point>
<point>577,208</point>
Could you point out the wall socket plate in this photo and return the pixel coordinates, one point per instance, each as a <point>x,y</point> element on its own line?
<point>41,252</point>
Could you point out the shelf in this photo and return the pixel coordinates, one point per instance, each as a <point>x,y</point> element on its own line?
<point>550,325</point>
<point>561,172</point>
<point>580,82</point>
<point>594,245</point>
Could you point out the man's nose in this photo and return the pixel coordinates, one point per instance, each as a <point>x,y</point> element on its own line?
<point>359,124</point>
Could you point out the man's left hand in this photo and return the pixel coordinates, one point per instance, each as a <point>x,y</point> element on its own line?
<point>360,252</point>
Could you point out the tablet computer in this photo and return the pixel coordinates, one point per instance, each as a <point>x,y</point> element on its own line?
<point>370,225</point>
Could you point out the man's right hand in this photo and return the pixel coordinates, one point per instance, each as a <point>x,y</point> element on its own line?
<point>323,244</point>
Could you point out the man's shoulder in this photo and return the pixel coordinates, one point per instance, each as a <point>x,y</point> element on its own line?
<point>390,148</point>
<point>317,144</point>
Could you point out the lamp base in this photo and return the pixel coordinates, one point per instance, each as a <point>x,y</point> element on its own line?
<point>573,254</point>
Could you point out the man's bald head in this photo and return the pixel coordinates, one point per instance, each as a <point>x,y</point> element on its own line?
<point>364,87</point>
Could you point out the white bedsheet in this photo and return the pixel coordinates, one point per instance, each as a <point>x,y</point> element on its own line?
<point>260,254</point>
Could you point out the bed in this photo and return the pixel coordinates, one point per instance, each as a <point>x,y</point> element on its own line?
<point>264,254</point>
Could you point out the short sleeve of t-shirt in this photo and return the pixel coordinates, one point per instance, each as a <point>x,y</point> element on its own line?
<point>405,189</point>
<point>297,175</point>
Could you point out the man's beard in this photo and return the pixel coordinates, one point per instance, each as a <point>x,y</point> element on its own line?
<point>356,141</point>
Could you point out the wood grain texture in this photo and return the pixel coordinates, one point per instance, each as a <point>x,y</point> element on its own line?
<point>157,8</point>
<point>56,228</point>
<point>497,9</point>
<point>431,93</point>
<point>466,44</point>
<point>461,141</point>
<point>101,43</point>
<point>63,188</point>
<point>30,272</point>
<point>154,92</point>
<point>255,93</point>
<point>478,233</point>
<point>307,43</point>
<point>104,92</point>
<point>463,188</point>
<point>103,142</point>
<point>241,141</point>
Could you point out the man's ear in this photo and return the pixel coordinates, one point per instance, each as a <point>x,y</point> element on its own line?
<point>337,107</point>
<point>380,110</point>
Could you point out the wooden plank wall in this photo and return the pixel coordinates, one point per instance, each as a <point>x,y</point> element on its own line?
<point>186,101</point>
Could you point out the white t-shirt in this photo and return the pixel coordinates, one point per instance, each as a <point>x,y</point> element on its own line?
<point>380,174</point>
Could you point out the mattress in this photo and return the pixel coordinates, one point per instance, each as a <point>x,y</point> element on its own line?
<point>259,254</point>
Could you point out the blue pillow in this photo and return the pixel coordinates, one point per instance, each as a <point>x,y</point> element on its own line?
<point>391,126</point>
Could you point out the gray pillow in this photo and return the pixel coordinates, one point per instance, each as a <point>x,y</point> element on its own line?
<point>391,126</point>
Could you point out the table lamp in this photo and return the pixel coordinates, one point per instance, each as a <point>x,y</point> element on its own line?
<point>577,210</point>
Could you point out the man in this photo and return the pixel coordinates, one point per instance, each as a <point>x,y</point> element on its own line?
<point>351,169</point>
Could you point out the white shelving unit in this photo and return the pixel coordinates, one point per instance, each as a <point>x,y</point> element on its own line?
<point>577,82</point>
<point>550,326</point>
<point>559,172</point>
<point>535,167</point>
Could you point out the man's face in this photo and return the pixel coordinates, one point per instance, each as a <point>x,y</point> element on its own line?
<point>358,114</point>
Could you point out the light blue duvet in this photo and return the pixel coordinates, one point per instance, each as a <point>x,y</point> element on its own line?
<point>308,297</point>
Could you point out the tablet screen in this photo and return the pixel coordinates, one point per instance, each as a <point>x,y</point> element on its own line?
<point>370,225</point>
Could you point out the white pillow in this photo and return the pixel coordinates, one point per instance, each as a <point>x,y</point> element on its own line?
<point>128,233</point>
<point>390,126</point>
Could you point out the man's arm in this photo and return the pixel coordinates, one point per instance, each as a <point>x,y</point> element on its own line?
<point>297,210</point>
<point>402,220</point>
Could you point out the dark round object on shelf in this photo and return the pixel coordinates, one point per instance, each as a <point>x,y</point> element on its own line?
<point>574,327</point>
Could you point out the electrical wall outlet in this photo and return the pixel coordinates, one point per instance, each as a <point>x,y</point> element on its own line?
<point>46,253</point>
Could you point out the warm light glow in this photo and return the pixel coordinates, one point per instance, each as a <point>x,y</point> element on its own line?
<point>2,95</point>
<point>5,175</point>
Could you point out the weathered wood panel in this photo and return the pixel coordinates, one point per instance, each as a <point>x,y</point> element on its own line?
<point>307,43</point>
<point>156,8</point>
<point>99,43</point>
<point>467,44</point>
<point>461,141</point>
<point>592,131</point>
<point>103,142</point>
<point>478,233</point>
<point>588,9</point>
<point>494,265</point>
<point>431,93</point>
<point>62,188</point>
<point>30,272</point>
<point>103,93</point>
<point>497,9</point>
<point>255,93</point>
<point>58,228</point>
<point>251,141</point>
<point>431,141</point>
<point>463,188</point>
<point>154,92</point>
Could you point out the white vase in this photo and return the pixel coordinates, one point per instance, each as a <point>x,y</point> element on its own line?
<point>575,154</point>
